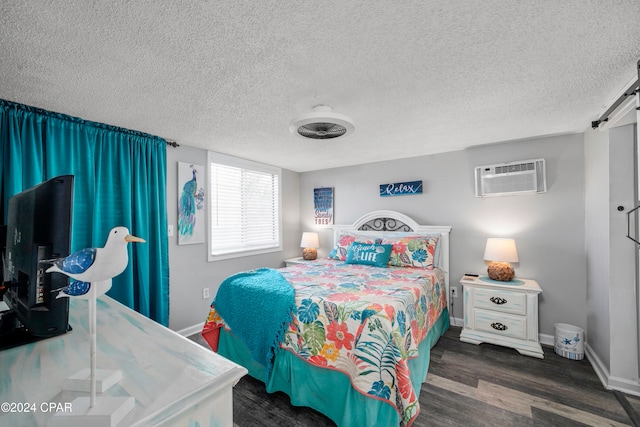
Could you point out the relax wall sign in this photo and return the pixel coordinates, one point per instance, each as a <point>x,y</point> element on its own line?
<point>401,188</point>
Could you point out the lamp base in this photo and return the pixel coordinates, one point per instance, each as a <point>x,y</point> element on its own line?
<point>309,254</point>
<point>501,271</point>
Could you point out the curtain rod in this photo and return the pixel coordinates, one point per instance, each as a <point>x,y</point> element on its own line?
<point>73,119</point>
<point>61,116</point>
<point>631,90</point>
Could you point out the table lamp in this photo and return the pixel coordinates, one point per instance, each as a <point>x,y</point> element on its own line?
<point>500,253</point>
<point>309,243</point>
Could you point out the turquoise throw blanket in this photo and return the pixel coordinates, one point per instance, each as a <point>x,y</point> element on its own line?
<point>258,306</point>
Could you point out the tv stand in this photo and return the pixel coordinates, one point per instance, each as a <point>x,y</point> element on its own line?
<point>12,334</point>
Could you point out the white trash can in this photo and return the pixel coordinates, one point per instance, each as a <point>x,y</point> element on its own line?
<point>569,341</point>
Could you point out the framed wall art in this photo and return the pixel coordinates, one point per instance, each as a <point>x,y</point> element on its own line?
<point>191,196</point>
<point>323,206</point>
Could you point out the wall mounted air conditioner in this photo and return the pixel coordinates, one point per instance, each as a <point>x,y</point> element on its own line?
<point>507,179</point>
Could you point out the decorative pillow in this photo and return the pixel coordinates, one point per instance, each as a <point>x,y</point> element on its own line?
<point>392,237</point>
<point>369,254</point>
<point>345,240</point>
<point>413,251</point>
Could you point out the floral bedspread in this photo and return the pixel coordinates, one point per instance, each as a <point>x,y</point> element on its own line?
<point>364,321</point>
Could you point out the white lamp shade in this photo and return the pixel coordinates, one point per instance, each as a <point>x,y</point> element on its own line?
<point>501,250</point>
<point>309,240</point>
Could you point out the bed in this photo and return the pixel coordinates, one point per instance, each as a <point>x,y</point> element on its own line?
<point>348,335</point>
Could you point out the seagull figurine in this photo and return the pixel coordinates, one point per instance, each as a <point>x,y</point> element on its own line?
<point>92,270</point>
<point>96,265</point>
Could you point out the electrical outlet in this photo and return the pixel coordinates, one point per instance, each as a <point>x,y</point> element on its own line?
<point>205,293</point>
<point>454,292</point>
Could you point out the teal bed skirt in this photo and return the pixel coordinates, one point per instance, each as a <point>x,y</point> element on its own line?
<point>329,391</point>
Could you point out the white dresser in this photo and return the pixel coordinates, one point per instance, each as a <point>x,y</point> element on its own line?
<point>175,382</point>
<point>502,313</point>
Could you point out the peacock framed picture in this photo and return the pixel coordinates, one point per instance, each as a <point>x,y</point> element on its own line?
<point>191,219</point>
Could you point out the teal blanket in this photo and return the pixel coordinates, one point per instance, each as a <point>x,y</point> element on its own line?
<point>258,306</point>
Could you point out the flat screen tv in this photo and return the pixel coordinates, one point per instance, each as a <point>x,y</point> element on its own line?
<point>38,228</point>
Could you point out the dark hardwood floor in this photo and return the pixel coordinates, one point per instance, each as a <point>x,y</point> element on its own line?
<point>470,385</point>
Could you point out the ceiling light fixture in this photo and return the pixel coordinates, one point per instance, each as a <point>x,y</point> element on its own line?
<point>322,123</point>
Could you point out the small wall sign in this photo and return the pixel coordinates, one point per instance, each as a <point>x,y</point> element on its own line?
<point>323,206</point>
<point>401,188</point>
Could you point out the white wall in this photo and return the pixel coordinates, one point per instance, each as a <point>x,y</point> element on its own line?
<point>189,270</point>
<point>597,166</point>
<point>612,298</point>
<point>624,335</point>
<point>548,228</point>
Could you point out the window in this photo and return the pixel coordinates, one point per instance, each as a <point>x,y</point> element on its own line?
<point>245,207</point>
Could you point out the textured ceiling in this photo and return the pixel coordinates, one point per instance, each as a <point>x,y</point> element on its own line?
<point>416,77</point>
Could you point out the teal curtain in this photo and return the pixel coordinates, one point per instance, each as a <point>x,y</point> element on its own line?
<point>120,179</point>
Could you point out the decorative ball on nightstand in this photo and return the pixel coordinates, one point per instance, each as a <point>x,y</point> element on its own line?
<point>309,254</point>
<point>501,271</point>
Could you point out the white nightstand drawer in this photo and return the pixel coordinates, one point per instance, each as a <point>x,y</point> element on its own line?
<point>506,302</point>
<point>500,324</point>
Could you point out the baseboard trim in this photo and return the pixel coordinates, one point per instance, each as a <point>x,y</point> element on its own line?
<point>601,370</point>
<point>608,381</point>
<point>624,385</point>
<point>546,339</point>
<point>456,322</point>
<point>186,332</point>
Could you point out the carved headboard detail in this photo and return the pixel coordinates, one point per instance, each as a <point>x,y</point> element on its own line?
<point>385,224</point>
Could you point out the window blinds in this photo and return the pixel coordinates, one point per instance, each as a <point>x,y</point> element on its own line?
<point>245,206</point>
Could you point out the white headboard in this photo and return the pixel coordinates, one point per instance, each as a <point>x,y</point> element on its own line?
<point>376,223</point>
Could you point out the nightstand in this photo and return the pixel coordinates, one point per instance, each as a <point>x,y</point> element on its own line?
<point>293,261</point>
<point>502,313</point>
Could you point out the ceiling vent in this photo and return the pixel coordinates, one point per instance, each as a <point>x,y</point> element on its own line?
<point>505,179</point>
<point>322,123</point>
